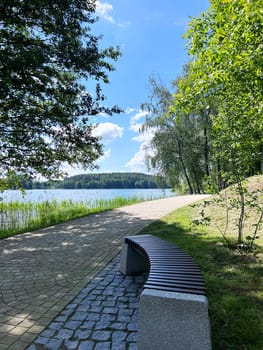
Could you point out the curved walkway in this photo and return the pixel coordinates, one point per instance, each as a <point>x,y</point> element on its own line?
<point>41,272</point>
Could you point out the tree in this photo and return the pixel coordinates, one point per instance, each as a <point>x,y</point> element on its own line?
<point>181,140</point>
<point>226,45</point>
<point>226,42</point>
<point>47,56</point>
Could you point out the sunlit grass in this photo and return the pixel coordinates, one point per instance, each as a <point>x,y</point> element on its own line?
<point>18,217</point>
<point>234,280</point>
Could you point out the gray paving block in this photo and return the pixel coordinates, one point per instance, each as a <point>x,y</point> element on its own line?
<point>71,344</point>
<point>132,337</point>
<point>103,346</point>
<point>119,325</point>
<point>101,335</point>
<point>64,334</point>
<point>72,324</point>
<point>118,346</point>
<point>86,345</point>
<point>118,336</point>
<point>87,325</point>
<point>82,334</point>
<point>110,310</point>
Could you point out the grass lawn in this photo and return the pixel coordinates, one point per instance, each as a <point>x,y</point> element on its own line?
<point>234,280</point>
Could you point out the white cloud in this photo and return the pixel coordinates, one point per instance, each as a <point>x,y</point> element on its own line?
<point>138,163</point>
<point>106,155</point>
<point>130,110</point>
<point>134,125</point>
<point>108,131</point>
<point>145,137</point>
<point>103,9</point>
<point>139,115</point>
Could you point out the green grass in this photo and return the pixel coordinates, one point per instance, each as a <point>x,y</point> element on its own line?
<point>18,217</point>
<point>234,281</point>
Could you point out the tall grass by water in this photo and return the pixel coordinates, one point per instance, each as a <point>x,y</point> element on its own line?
<point>18,217</point>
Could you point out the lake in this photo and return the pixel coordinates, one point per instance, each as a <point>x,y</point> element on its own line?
<point>83,195</point>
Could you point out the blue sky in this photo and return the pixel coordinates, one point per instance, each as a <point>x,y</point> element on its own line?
<point>149,34</point>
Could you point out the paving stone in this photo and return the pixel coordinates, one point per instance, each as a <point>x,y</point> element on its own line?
<point>82,335</point>
<point>87,325</point>
<point>41,340</point>
<point>124,299</point>
<point>118,346</point>
<point>31,347</point>
<point>132,326</point>
<point>56,325</point>
<point>125,312</point>
<point>102,325</point>
<point>72,324</point>
<point>119,325</point>
<point>48,333</point>
<point>109,327</point>
<point>103,346</point>
<point>86,345</point>
<point>96,309</point>
<point>54,344</point>
<point>118,336</point>
<point>110,310</point>
<point>61,318</point>
<point>108,303</point>
<point>107,317</point>
<point>93,316</point>
<point>95,292</point>
<point>79,316</point>
<point>64,334</point>
<point>132,337</point>
<point>96,303</point>
<point>134,305</point>
<point>71,344</point>
<point>125,319</point>
<point>101,335</point>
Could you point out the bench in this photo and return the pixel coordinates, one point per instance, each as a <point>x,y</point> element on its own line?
<point>173,308</point>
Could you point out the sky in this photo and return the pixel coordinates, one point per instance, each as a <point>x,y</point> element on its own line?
<point>149,34</point>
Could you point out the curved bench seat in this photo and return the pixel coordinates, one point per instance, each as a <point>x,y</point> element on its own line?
<point>173,308</point>
<point>170,268</point>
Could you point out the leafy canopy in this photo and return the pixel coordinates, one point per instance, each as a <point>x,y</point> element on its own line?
<point>47,57</point>
<point>226,45</point>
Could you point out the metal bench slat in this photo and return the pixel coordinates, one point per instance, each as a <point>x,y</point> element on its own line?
<point>170,268</point>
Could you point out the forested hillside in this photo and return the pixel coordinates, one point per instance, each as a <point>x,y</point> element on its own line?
<point>103,180</point>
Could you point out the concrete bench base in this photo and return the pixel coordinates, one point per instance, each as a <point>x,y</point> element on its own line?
<point>173,321</point>
<point>169,320</point>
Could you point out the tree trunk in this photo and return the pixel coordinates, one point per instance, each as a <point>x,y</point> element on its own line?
<point>184,167</point>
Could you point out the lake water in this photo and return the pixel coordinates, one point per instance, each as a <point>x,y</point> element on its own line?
<point>83,195</point>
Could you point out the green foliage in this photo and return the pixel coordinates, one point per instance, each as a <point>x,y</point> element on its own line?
<point>226,42</point>
<point>47,57</point>
<point>104,180</point>
<point>181,141</point>
<point>225,79</point>
<point>17,217</point>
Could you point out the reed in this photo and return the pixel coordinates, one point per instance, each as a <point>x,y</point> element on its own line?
<point>18,217</point>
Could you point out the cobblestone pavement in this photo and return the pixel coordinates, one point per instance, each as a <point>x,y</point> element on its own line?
<point>42,271</point>
<point>102,316</point>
